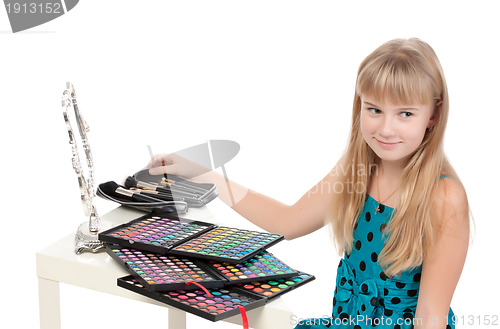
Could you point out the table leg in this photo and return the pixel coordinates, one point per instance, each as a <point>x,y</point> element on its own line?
<point>50,309</point>
<point>176,319</point>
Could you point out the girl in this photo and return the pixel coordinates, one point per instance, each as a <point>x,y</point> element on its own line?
<point>401,216</point>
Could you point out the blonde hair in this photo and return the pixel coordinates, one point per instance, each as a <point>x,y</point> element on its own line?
<point>402,71</point>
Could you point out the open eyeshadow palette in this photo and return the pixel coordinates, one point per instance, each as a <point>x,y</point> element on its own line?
<point>170,235</point>
<point>208,270</point>
<point>219,303</point>
<point>156,272</point>
<point>272,288</point>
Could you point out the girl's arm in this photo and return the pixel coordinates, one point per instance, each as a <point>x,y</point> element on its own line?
<point>443,265</point>
<point>305,216</point>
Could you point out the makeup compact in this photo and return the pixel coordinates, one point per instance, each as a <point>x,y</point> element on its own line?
<point>168,234</point>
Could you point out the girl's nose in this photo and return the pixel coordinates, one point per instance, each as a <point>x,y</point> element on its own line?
<point>387,129</point>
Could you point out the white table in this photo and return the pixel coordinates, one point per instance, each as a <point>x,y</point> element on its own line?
<point>58,263</point>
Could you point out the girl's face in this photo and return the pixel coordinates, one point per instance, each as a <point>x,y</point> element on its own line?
<point>394,131</point>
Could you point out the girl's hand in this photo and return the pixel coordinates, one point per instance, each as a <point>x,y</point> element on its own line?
<point>177,165</point>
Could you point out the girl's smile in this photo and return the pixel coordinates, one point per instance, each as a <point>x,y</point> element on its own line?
<point>394,131</point>
<point>386,144</point>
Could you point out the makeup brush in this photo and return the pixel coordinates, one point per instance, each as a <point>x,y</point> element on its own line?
<point>170,184</point>
<point>155,194</point>
<point>112,188</point>
<point>183,184</point>
<point>132,182</point>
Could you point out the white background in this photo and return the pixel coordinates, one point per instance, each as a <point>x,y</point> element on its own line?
<point>275,76</point>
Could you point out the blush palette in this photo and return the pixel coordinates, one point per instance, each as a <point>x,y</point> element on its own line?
<point>167,234</point>
<point>220,304</point>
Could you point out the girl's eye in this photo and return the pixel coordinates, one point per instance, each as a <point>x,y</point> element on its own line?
<point>374,110</point>
<point>406,114</point>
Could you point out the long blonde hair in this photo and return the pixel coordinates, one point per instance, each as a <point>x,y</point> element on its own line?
<point>402,71</point>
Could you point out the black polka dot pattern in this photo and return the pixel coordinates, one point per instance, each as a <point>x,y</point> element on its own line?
<point>363,287</point>
<point>381,209</point>
<point>395,300</point>
<point>411,293</point>
<point>400,285</point>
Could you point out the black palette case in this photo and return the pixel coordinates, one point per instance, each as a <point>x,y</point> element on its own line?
<point>176,196</point>
<point>169,234</point>
<point>224,302</point>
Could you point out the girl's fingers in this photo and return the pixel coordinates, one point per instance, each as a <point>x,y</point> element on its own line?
<point>159,160</point>
<point>158,170</point>
<point>167,169</point>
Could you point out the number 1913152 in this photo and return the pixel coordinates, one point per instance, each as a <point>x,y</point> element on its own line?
<point>476,320</point>
<point>34,8</point>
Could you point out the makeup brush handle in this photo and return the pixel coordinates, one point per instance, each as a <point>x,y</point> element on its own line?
<point>162,196</point>
<point>189,185</point>
<point>176,191</point>
<point>144,198</point>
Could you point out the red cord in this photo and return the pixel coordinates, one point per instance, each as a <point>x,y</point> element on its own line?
<point>244,317</point>
<point>203,288</point>
<point>242,309</point>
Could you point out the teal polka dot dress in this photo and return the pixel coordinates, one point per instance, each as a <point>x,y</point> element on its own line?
<point>364,296</point>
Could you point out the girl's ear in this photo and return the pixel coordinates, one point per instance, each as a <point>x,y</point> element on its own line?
<point>435,114</point>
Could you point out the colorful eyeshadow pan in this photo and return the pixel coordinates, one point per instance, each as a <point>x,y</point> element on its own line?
<point>156,272</point>
<point>221,304</point>
<point>227,244</point>
<point>263,266</point>
<point>273,288</point>
<point>155,233</point>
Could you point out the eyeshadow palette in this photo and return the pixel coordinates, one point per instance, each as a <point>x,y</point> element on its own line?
<point>222,303</point>
<point>272,288</point>
<point>155,233</point>
<point>168,234</point>
<point>263,266</point>
<point>157,272</point>
<point>228,244</point>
